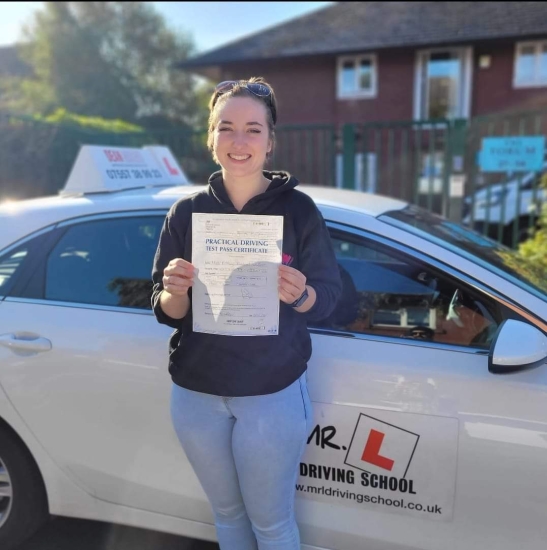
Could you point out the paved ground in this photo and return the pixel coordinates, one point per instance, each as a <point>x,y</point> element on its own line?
<point>76,534</point>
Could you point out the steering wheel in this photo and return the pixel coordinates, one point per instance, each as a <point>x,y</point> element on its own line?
<point>420,332</point>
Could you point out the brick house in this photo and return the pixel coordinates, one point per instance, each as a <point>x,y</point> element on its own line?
<point>379,66</point>
<point>392,61</point>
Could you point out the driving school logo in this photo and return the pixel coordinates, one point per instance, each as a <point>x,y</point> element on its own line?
<point>379,447</point>
<point>367,456</point>
<point>382,452</point>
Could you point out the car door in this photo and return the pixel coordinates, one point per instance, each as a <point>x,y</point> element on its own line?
<point>416,445</point>
<point>85,363</point>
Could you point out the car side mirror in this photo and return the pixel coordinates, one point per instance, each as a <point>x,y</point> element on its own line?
<point>517,346</point>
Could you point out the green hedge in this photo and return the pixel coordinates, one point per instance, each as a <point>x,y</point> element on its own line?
<point>37,152</point>
<point>531,256</point>
<point>93,124</point>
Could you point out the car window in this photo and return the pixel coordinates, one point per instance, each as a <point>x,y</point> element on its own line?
<point>106,262</point>
<point>388,293</point>
<point>468,244</point>
<point>10,264</point>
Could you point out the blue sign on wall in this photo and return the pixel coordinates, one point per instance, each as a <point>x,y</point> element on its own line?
<point>512,154</point>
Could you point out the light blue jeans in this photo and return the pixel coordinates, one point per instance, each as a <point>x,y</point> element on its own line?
<point>246,453</point>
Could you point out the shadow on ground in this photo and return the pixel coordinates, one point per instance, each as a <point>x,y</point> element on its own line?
<point>76,534</point>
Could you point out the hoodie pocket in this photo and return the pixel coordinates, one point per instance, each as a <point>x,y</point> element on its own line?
<point>300,344</point>
<point>177,343</point>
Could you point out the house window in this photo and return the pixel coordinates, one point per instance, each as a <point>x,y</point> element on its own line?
<point>443,84</point>
<point>530,64</point>
<point>357,77</point>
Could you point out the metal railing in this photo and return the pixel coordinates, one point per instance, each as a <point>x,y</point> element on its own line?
<point>411,160</point>
<point>308,152</point>
<point>504,206</point>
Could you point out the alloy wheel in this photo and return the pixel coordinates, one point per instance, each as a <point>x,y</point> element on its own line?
<point>5,493</point>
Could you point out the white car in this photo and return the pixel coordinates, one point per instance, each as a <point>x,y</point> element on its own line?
<point>512,203</point>
<point>428,381</point>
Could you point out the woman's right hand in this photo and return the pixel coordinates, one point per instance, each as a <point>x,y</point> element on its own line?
<point>178,277</point>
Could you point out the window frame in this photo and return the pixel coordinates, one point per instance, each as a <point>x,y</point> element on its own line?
<point>466,56</point>
<point>356,59</point>
<point>538,45</point>
<point>40,243</point>
<point>516,312</point>
<point>37,278</point>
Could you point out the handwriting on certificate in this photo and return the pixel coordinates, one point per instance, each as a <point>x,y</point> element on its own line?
<point>235,290</point>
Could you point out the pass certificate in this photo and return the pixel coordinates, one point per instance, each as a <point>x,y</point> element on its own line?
<point>235,289</point>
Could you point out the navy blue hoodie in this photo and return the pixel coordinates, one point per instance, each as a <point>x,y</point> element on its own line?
<point>234,366</point>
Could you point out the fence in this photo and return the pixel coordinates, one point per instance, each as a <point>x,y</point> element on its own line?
<point>423,162</point>
<point>308,152</point>
<point>435,164</point>
<point>504,205</point>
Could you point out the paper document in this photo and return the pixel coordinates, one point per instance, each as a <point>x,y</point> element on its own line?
<point>237,258</point>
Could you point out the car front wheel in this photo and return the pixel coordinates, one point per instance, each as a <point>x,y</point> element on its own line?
<point>23,501</point>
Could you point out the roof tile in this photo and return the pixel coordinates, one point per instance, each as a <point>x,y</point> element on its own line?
<point>361,26</point>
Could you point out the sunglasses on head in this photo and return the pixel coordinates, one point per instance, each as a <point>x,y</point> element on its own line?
<point>256,88</point>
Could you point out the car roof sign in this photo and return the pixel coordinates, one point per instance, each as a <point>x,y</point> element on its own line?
<point>164,157</point>
<point>106,169</point>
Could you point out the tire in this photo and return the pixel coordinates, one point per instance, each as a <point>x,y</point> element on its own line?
<point>26,510</point>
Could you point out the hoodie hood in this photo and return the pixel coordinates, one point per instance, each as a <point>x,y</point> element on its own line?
<point>281,182</point>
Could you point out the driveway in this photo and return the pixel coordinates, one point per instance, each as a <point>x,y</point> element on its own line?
<point>71,534</point>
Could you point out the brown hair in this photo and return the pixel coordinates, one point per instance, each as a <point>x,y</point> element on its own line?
<point>239,90</point>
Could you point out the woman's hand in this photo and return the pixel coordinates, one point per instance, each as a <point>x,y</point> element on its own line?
<point>292,284</point>
<point>178,277</point>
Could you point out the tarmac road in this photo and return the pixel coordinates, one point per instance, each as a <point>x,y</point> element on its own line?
<point>77,534</point>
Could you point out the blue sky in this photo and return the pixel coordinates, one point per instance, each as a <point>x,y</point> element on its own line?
<point>211,24</point>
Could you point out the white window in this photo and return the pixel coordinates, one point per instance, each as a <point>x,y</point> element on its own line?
<point>357,77</point>
<point>530,64</point>
<point>443,83</point>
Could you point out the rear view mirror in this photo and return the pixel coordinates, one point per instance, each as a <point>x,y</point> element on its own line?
<point>517,346</point>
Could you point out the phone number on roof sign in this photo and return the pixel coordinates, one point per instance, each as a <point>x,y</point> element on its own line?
<point>133,174</point>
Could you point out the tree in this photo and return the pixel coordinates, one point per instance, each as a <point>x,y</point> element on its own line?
<point>530,259</point>
<point>106,59</point>
<point>534,250</point>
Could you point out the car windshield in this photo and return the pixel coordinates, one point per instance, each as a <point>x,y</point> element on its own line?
<point>471,245</point>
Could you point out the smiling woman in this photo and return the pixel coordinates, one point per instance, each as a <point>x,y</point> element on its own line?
<point>252,136</point>
<point>244,400</point>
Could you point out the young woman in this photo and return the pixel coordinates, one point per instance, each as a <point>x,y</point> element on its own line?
<point>239,404</point>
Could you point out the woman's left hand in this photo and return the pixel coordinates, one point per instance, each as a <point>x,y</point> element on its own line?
<point>292,284</point>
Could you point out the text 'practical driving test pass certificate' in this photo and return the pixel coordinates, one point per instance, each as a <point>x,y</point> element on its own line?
<point>237,257</point>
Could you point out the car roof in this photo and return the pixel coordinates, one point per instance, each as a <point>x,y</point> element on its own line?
<point>35,214</point>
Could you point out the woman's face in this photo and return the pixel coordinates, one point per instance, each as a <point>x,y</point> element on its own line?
<point>241,136</point>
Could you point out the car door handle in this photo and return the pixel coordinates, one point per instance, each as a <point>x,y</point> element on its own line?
<point>36,345</point>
